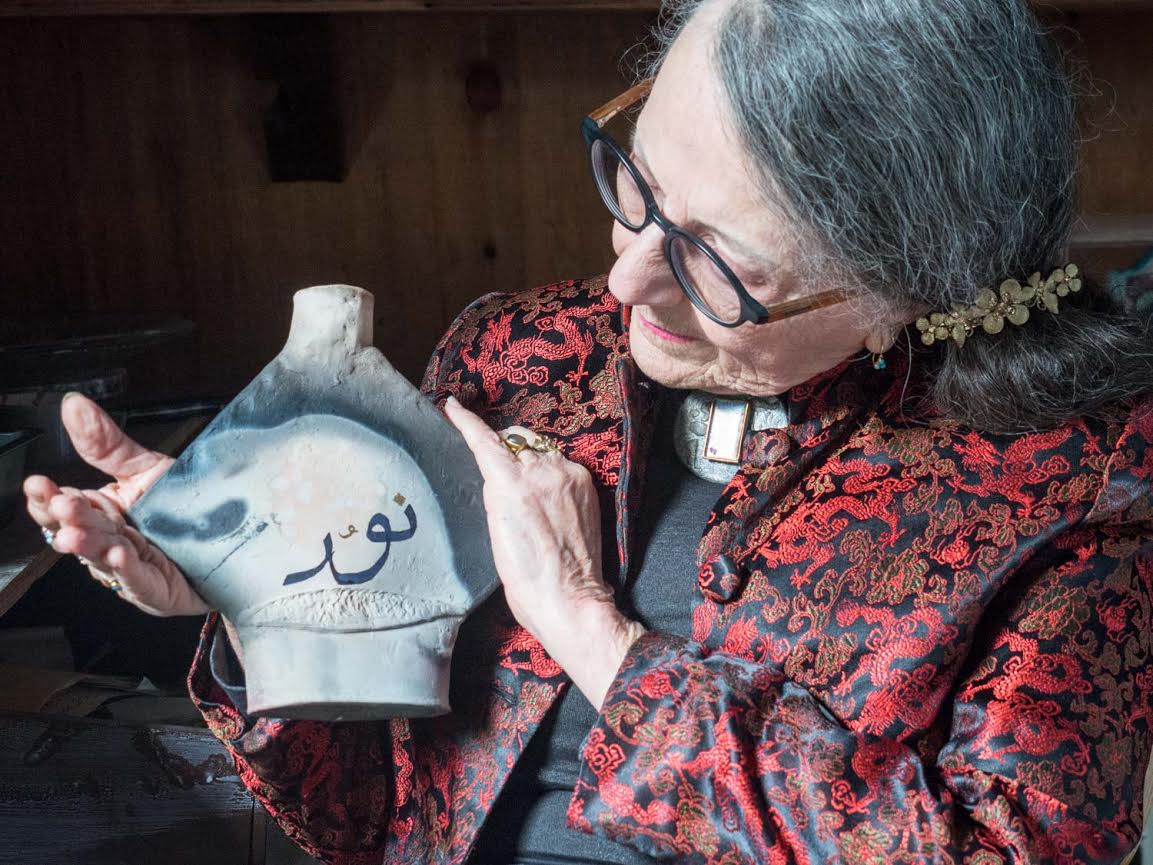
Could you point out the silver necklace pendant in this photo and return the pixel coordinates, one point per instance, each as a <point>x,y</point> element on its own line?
<point>710,430</point>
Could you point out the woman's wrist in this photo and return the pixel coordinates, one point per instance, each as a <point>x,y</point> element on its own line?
<point>592,647</point>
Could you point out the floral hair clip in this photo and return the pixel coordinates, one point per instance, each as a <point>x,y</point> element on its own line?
<point>989,312</point>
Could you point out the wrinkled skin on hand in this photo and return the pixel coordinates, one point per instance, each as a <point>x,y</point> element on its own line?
<point>91,524</point>
<point>544,523</point>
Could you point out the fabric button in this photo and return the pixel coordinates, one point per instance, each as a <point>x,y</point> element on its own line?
<point>721,580</point>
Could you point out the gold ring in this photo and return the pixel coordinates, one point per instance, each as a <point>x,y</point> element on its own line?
<point>515,443</point>
<point>113,585</point>
<point>545,445</point>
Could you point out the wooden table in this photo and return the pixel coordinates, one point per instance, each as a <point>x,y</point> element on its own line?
<point>80,790</point>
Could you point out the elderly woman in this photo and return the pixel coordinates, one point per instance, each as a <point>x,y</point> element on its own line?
<point>879,469</point>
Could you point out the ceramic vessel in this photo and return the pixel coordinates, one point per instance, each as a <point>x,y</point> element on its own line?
<point>335,517</point>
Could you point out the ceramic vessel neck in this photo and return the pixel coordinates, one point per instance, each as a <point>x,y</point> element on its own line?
<point>329,323</point>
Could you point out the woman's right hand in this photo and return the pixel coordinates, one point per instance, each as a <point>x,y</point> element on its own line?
<point>91,523</point>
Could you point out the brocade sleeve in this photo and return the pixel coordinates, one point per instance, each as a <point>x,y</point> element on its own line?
<point>705,756</point>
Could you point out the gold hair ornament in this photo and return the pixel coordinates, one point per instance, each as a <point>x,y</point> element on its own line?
<point>990,312</point>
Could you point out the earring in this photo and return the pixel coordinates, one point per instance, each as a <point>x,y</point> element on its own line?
<point>879,362</point>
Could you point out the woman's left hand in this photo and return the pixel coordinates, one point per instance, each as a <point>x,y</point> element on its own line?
<point>544,522</point>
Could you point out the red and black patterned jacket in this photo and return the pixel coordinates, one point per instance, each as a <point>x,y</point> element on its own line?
<point>911,643</point>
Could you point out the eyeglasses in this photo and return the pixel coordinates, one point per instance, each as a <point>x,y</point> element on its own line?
<point>701,273</point>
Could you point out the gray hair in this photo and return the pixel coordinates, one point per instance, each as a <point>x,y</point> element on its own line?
<point>924,149</point>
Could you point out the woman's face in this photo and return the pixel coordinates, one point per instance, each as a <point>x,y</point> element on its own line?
<point>689,153</point>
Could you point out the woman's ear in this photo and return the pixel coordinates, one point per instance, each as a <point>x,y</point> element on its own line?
<point>883,335</point>
<point>880,340</point>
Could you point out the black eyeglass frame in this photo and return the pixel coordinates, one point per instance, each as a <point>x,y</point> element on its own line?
<point>752,311</point>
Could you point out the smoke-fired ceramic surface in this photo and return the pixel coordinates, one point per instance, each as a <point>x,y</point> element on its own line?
<point>335,517</point>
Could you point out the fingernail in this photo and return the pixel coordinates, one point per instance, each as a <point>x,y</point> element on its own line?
<point>452,400</point>
<point>69,395</point>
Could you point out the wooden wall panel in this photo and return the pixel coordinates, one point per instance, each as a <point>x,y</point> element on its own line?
<point>134,174</point>
<point>137,179</point>
<point>1118,111</point>
<point>1116,180</point>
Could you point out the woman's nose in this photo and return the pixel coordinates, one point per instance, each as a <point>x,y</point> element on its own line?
<point>641,275</point>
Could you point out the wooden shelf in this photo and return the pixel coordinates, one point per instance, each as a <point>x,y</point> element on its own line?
<point>63,8</point>
<point>1111,231</point>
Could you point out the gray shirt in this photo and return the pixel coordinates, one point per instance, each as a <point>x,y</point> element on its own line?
<point>527,826</point>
